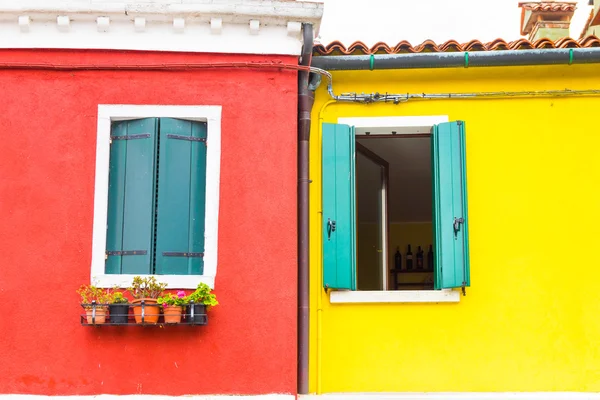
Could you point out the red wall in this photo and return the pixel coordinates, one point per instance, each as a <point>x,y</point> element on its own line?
<point>47,165</point>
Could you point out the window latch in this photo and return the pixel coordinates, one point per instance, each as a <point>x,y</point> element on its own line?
<point>457,222</point>
<point>330,228</point>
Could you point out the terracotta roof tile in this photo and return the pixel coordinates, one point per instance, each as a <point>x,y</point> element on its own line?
<point>428,46</point>
<point>549,6</point>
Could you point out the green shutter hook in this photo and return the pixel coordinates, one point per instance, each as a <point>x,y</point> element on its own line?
<point>466,59</point>
<point>570,56</point>
<point>371,62</point>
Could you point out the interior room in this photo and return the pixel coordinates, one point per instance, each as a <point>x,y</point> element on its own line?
<point>394,212</point>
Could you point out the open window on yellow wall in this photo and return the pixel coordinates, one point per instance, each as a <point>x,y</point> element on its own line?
<point>395,209</point>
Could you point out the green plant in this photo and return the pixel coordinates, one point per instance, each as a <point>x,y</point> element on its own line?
<point>173,300</point>
<point>203,295</point>
<point>118,298</point>
<point>90,293</point>
<point>146,288</point>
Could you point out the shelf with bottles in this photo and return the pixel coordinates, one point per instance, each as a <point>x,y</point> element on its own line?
<point>419,264</point>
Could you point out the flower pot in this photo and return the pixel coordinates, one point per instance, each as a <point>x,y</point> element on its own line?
<point>99,318</point>
<point>199,314</point>
<point>118,313</point>
<point>151,311</point>
<point>172,314</point>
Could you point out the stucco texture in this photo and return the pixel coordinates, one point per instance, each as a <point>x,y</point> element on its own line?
<point>48,125</point>
<point>529,321</point>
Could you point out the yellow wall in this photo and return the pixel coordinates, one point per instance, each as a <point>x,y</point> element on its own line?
<point>531,319</point>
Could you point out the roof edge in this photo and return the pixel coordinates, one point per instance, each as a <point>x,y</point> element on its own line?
<point>429,46</point>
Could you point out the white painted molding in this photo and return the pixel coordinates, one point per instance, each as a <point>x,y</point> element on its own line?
<point>254,26</point>
<point>393,296</point>
<point>457,396</point>
<point>103,24</point>
<point>400,125</point>
<point>179,25</point>
<point>63,23</point>
<point>140,24</point>
<point>107,113</point>
<point>241,26</point>
<point>216,25</point>
<point>24,23</point>
<point>294,28</point>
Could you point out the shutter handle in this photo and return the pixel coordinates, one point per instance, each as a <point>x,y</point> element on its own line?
<point>457,222</point>
<point>330,228</point>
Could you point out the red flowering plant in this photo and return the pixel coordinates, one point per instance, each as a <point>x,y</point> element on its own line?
<point>170,299</point>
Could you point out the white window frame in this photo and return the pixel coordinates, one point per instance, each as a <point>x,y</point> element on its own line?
<point>120,112</point>
<point>400,125</point>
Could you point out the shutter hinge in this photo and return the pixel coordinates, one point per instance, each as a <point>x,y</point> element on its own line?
<point>130,137</point>
<point>181,254</point>
<point>127,253</point>
<point>456,224</point>
<point>464,288</point>
<point>190,138</point>
<point>459,123</point>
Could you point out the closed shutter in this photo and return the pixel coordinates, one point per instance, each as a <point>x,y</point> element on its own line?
<point>450,206</point>
<point>339,208</point>
<point>181,197</point>
<point>130,223</point>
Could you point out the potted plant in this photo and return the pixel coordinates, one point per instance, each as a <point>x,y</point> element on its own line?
<point>199,300</point>
<point>93,300</point>
<point>145,292</point>
<point>118,308</point>
<point>172,306</point>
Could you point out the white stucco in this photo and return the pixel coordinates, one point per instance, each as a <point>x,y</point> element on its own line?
<point>215,26</point>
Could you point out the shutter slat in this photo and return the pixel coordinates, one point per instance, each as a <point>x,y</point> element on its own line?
<point>116,197</point>
<point>197,198</point>
<point>130,224</point>
<point>450,205</point>
<point>181,197</point>
<point>338,175</point>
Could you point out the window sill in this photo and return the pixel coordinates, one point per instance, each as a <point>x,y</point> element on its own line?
<point>404,296</point>
<point>172,281</point>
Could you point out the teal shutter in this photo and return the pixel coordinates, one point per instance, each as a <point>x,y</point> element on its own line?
<point>130,222</point>
<point>181,197</point>
<point>339,208</point>
<point>450,206</point>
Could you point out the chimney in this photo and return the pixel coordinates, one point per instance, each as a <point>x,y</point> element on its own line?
<point>548,19</point>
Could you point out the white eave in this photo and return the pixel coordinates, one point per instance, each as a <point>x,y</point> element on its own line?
<point>214,26</point>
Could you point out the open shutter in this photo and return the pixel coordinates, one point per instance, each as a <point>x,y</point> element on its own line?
<point>181,197</point>
<point>450,206</point>
<point>339,208</point>
<point>130,223</point>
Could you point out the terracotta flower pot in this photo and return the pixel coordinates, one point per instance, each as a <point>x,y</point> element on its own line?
<point>151,311</point>
<point>100,317</point>
<point>172,314</point>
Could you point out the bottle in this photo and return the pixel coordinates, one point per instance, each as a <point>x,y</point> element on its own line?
<point>398,259</point>
<point>409,259</point>
<point>430,259</point>
<point>419,258</point>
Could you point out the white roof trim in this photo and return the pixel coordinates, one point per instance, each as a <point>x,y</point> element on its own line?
<point>235,26</point>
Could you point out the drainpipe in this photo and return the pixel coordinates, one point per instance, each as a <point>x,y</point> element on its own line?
<point>495,58</point>
<point>305,102</point>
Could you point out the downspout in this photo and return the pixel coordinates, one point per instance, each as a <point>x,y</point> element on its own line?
<point>494,58</point>
<point>305,102</point>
